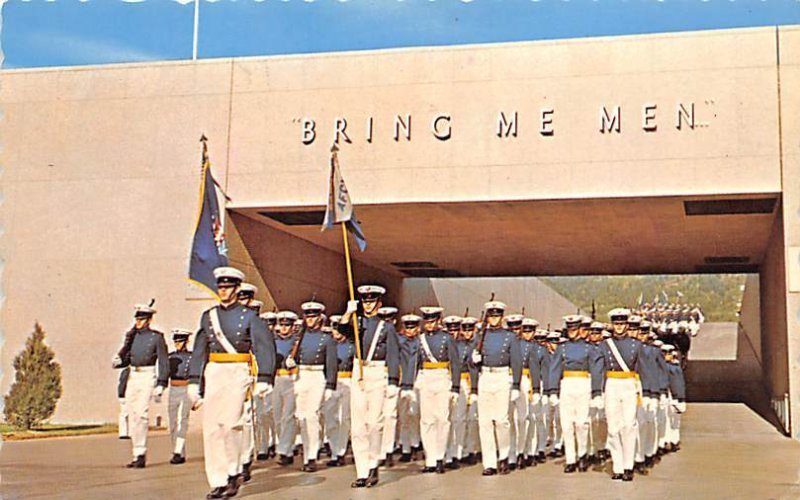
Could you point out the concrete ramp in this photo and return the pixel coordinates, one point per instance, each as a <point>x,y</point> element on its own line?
<point>715,341</point>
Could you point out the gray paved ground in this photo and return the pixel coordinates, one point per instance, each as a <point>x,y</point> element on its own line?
<point>728,452</point>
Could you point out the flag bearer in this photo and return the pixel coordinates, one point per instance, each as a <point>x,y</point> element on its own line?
<point>145,353</point>
<point>230,336</point>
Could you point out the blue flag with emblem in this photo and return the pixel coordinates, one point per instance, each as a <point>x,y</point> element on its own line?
<point>339,207</point>
<point>209,247</point>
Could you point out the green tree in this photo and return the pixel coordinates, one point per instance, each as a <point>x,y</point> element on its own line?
<point>37,383</point>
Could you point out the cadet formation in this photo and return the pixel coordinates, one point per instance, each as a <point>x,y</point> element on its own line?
<point>444,390</point>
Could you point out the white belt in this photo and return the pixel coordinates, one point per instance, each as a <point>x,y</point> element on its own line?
<point>143,368</point>
<point>495,369</point>
<point>311,368</point>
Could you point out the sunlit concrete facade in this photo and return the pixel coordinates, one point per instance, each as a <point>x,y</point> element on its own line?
<point>669,153</point>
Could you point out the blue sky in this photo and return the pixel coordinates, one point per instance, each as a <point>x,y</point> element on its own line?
<point>72,32</point>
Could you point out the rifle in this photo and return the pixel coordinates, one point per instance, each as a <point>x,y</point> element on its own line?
<point>466,312</point>
<point>296,346</point>
<point>484,323</point>
<point>594,310</point>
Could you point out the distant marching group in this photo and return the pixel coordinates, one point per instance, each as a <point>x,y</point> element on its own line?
<point>456,390</point>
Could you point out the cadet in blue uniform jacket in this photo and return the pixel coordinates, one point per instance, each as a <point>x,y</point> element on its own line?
<point>179,405</point>
<point>677,391</point>
<point>463,442</point>
<point>144,351</point>
<point>316,380</point>
<point>538,364</point>
<point>337,409</point>
<point>500,350</point>
<point>230,336</point>
<point>408,406</point>
<point>283,398</point>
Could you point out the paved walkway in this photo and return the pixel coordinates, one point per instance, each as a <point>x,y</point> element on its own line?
<point>728,452</point>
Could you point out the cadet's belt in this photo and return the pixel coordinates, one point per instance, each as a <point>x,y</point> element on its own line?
<point>494,369</point>
<point>525,371</point>
<point>576,373</point>
<point>284,371</point>
<point>429,365</point>
<point>178,382</point>
<point>619,374</point>
<point>143,368</point>
<point>311,368</point>
<point>345,375</point>
<point>465,376</point>
<point>224,357</point>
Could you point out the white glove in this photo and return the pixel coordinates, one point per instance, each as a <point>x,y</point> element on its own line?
<point>407,394</point>
<point>352,307</point>
<point>554,400</point>
<point>514,395</point>
<point>536,398</point>
<point>157,392</point>
<point>473,399</point>
<point>679,407</point>
<point>263,389</point>
<point>663,399</point>
<point>476,357</point>
<point>597,402</point>
<point>290,363</point>
<point>327,395</point>
<point>194,395</point>
<point>116,361</point>
<point>121,401</point>
<point>453,397</point>
<point>198,404</point>
<point>545,400</point>
<point>392,391</point>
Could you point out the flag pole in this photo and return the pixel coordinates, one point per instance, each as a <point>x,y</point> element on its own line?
<point>196,25</point>
<point>352,297</point>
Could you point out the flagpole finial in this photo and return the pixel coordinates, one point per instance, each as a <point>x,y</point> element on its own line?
<point>203,138</point>
<point>334,148</point>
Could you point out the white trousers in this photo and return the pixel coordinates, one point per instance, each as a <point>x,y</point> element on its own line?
<point>367,401</point>
<point>673,434</point>
<point>646,420</point>
<point>553,424</point>
<point>389,423</point>
<point>494,391</point>
<point>122,428</point>
<point>223,419</point>
<point>537,430</point>
<point>599,431</point>
<point>337,417</point>
<point>463,431</point>
<point>248,443</point>
<point>518,418</point>
<point>137,400</point>
<point>265,424</point>
<point>434,405</point>
<point>283,408</point>
<point>309,389</point>
<point>661,421</point>
<point>576,393</point>
<point>408,421</point>
<point>179,408</point>
<point>620,406</point>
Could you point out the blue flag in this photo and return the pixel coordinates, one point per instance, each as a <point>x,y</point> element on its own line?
<point>209,248</point>
<point>339,208</point>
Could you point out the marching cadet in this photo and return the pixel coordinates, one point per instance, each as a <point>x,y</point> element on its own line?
<point>599,432</point>
<point>677,399</point>
<point>246,297</point>
<point>461,446</point>
<point>145,352</point>
<point>316,379</point>
<point>337,414</point>
<point>578,368</point>
<point>530,383</point>
<point>438,383</point>
<point>553,423</point>
<point>539,367</point>
<point>388,315</point>
<point>518,410</point>
<point>496,353</point>
<point>230,336</point>
<point>622,354</point>
<point>179,405</point>
<point>271,319</point>
<point>381,367</point>
<point>283,402</point>
<point>123,430</point>
<point>649,373</point>
<point>266,437</point>
<point>408,408</point>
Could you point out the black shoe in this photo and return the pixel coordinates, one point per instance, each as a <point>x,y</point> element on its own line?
<point>233,486</point>
<point>428,470</point>
<point>560,452</point>
<point>530,461</point>
<point>502,467</point>
<point>453,464</point>
<point>262,456</point>
<point>405,457</point>
<point>676,447</point>
<point>389,462</point>
<point>541,458</point>
<point>491,471</point>
<point>616,477</point>
<point>583,464</point>
<point>245,475</point>
<point>285,460</point>
<point>124,437</point>
<point>177,459</point>
<point>640,468</point>
<point>627,475</point>
<point>512,466</point>
<point>137,463</point>
<point>661,452</point>
<point>469,459</point>
<point>372,479</point>
<point>521,462</point>
<point>648,462</point>
<point>311,466</point>
<point>271,452</point>
<point>326,449</point>
<point>359,483</point>
<point>218,492</point>
<point>440,467</point>
<point>570,468</point>
<point>335,462</point>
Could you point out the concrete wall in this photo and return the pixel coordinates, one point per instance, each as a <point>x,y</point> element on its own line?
<point>773,316</point>
<point>750,314</point>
